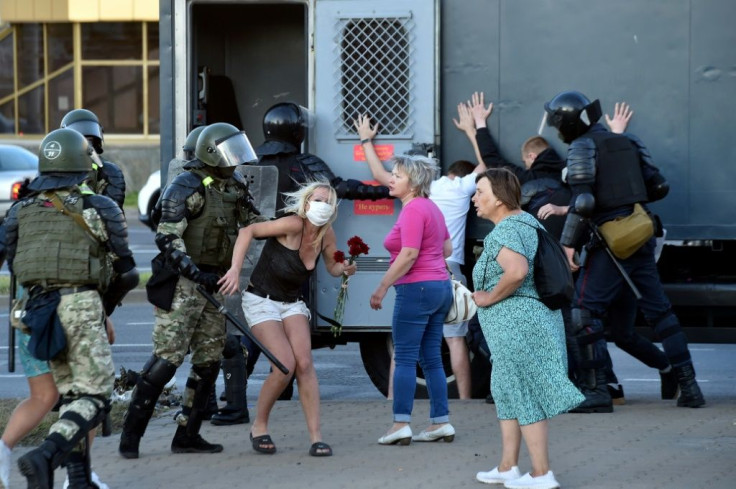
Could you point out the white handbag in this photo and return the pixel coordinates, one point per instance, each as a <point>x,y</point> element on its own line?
<point>463,306</point>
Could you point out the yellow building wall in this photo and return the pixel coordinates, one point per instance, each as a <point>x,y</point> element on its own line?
<point>15,11</point>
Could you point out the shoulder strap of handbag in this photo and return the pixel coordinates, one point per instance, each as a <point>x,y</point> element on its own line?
<point>59,205</point>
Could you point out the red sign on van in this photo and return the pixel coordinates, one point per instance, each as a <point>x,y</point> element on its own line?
<point>384,152</point>
<point>383,207</point>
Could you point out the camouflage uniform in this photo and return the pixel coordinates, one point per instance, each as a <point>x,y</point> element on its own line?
<point>201,211</point>
<point>56,215</point>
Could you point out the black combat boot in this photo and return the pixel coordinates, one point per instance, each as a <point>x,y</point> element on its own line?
<point>187,438</point>
<point>236,410</point>
<point>669,385</point>
<point>690,394</point>
<point>194,443</point>
<point>597,399</point>
<point>37,466</point>
<point>79,471</point>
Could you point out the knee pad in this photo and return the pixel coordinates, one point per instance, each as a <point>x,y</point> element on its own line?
<point>158,372</point>
<point>232,346</point>
<point>207,373</point>
<point>667,325</point>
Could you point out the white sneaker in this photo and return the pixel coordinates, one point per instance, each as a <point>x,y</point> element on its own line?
<point>496,477</point>
<point>5,456</point>
<point>546,481</point>
<point>95,480</point>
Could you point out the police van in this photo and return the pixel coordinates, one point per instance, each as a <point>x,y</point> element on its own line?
<point>408,63</point>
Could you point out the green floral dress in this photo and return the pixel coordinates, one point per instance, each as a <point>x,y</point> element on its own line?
<point>527,340</point>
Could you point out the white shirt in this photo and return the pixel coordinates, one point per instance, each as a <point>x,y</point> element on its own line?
<point>452,196</point>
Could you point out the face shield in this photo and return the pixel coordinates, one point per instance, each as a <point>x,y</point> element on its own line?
<point>547,128</point>
<point>235,149</point>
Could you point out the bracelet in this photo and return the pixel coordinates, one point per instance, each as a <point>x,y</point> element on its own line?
<point>366,140</point>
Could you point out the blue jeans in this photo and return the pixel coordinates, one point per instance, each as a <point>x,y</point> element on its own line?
<point>419,313</point>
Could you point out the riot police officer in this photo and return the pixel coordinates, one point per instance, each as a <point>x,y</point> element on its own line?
<point>70,286</point>
<point>176,165</point>
<point>285,127</point>
<point>201,211</point>
<point>610,173</point>
<point>106,177</point>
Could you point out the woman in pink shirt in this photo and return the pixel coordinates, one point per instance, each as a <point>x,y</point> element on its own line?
<point>418,244</point>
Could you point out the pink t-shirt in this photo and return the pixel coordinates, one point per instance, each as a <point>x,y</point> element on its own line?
<point>420,225</point>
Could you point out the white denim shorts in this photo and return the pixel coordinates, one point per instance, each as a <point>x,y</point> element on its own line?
<point>258,309</point>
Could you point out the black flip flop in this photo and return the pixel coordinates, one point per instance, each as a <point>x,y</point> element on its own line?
<point>258,443</point>
<point>320,449</point>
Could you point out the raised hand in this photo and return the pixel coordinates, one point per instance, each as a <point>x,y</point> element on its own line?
<point>464,122</point>
<point>363,125</point>
<point>621,116</point>
<point>478,109</point>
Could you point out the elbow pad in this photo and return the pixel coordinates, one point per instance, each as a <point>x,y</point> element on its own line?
<point>581,157</point>
<point>121,284</point>
<point>657,188</point>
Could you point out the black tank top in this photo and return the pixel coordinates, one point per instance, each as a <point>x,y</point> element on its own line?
<point>280,272</point>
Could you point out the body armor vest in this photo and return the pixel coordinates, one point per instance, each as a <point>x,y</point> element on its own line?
<point>210,237</point>
<point>54,250</point>
<point>618,180</point>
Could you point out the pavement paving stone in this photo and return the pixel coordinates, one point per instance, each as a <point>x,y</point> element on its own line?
<point>645,444</point>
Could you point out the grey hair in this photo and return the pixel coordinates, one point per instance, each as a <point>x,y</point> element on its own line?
<point>296,203</point>
<point>421,171</point>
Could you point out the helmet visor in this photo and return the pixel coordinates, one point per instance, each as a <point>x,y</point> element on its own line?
<point>235,149</point>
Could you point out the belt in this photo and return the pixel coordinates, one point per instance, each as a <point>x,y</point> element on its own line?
<point>74,290</point>
<point>256,291</point>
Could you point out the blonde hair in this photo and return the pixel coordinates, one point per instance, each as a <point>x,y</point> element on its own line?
<point>296,203</point>
<point>535,144</point>
<point>421,171</point>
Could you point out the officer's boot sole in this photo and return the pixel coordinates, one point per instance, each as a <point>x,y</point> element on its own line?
<point>36,470</point>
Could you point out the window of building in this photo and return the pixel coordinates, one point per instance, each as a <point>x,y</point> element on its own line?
<point>118,67</point>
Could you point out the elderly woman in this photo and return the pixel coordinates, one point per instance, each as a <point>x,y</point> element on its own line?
<point>273,306</point>
<point>529,379</point>
<point>418,244</point>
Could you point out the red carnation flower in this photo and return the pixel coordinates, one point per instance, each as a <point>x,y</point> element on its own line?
<point>339,256</point>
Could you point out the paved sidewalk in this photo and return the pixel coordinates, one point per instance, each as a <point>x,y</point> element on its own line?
<point>646,444</point>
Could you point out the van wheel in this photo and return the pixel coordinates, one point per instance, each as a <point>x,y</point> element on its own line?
<point>376,351</point>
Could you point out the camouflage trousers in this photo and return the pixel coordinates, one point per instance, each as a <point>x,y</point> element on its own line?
<point>193,325</point>
<point>84,372</point>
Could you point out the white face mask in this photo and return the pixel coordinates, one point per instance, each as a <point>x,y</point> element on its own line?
<point>319,213</point>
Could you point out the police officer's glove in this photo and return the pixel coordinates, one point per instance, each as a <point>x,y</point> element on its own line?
<point>208,280</point>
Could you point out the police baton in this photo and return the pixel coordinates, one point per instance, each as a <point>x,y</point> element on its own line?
<point>236,322</point>
<point>620,269</point>
<point>11,329</point>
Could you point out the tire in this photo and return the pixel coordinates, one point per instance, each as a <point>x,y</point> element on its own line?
<point>376,351</point>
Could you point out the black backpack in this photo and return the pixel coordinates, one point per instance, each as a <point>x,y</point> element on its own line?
<point>552,275</point>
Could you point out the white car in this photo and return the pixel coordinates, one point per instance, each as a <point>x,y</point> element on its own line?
<point>16,164</point>
<point>147,198</point>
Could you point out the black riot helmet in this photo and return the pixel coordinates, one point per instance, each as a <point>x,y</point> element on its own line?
<point>65,158</point>
<point>287,122</point>
<point>86,123</point>
<point>191,142</point>
<point>222,145</point>
<point>572,114</point>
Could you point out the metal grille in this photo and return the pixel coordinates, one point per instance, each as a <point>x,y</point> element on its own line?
<point>374,73</point>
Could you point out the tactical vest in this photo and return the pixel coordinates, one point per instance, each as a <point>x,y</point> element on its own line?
<point>210,237</point>
<point>54,250</point>
<point>618,178</point>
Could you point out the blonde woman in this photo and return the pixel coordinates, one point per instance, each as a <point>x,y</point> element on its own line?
<point>273,305</point>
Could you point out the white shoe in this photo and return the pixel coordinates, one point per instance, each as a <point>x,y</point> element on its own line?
<point>546,481</point>
<point>401,436</point>
<point>496,477</point>
<point>5,456</point>
<point>95,480</point>
<point>445,432</point>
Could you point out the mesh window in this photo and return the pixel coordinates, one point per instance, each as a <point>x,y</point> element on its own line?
<point>374,70</point>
